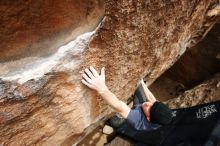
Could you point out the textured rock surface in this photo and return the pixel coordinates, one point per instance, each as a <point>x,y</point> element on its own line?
<point>118,141</point>
<point>30,28</point>
<point>135,39</point>
<point>197,64</point>
<point>205,92</point>
<point>164,88</point>
<point>200,62</point>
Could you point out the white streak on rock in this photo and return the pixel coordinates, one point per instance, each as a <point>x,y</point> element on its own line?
<point>39,66</point>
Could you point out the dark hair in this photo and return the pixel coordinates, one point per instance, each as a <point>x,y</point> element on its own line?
<point>160,113</point>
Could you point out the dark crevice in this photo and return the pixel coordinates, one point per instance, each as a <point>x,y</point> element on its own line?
<point>198,64</point>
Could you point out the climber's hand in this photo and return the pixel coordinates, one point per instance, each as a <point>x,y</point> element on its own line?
<point>93,80</point>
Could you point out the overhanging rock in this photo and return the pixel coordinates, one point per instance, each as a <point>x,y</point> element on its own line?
<point>205,92</point>
<point>135,39</point>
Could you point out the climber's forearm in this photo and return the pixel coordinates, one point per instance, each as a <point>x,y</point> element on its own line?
<point>115,103</point>
<point>150,95</point>
<point>147,92</point>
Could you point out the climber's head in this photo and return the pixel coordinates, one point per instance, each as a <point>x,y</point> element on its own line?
<point>157,112</point>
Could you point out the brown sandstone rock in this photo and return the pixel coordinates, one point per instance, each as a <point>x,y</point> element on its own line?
<point>205,92</point>
<point>118,141</point>
<point>43,101</point>
<point>30,28</point>
<point>199,63</point>
<point>196,65</point>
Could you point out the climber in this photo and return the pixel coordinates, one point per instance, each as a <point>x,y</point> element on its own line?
<point>147,115</point>
<point>153,123</point>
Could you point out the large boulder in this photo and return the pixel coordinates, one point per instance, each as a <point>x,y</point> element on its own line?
<point>42,100</point>
<point>208,91</point>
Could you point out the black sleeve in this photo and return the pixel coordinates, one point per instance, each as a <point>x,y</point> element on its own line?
<point>152,138</point>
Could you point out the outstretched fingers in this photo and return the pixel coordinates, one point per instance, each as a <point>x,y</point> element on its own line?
<point>94,72</point>
<point>87,79</point>
<point>86,83</point>
<point>88,72</point>
<point>103,71</point>
<point>92,79</point>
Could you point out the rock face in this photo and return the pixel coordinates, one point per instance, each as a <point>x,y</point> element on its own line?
<point>205,92</point>
<point>33,30</point>
<point>200,62</point>
<point>118,141</point>
<point>196,65</point>
<point>30,28</point>
<point>43,101</point>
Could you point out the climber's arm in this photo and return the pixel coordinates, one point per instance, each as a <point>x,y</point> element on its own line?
<point>115,103</point>
<point>147,92</point>
<point>93,80</point>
